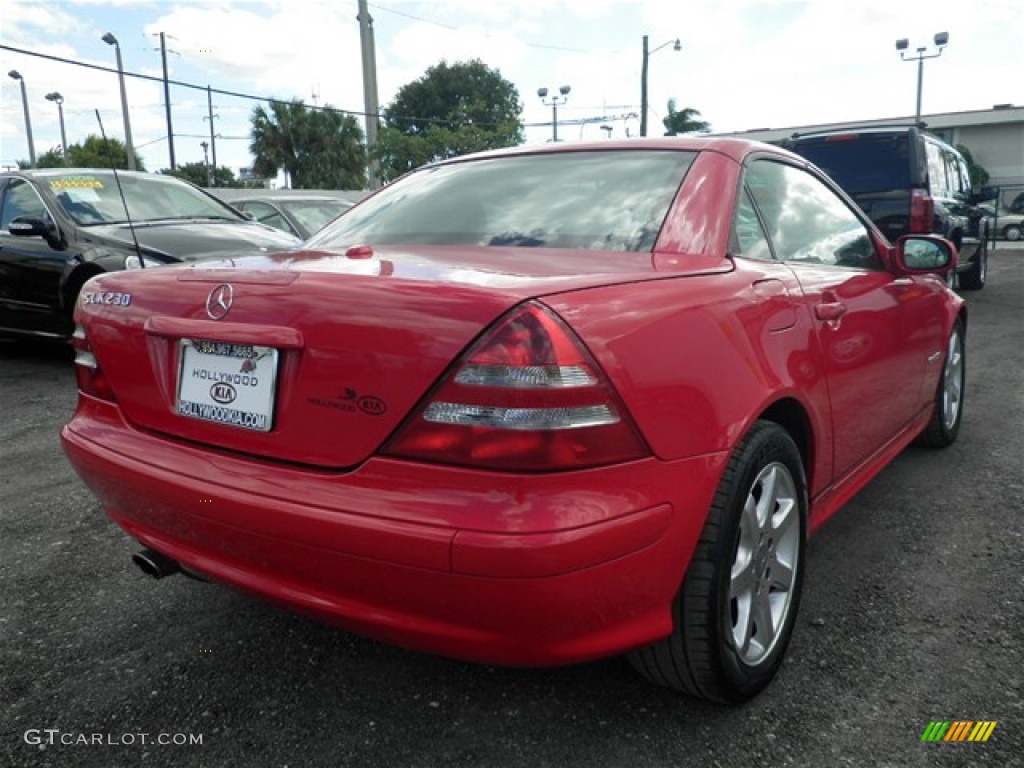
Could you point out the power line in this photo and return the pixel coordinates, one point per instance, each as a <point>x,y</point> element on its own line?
<point>179,83</point>
<point>239,94</point>
<point>252,97</point>
<point>454,28</point>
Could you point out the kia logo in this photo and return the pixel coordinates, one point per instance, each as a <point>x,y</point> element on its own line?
<point>372,406</point>
<point>219,302</point>
<point>223,393</point>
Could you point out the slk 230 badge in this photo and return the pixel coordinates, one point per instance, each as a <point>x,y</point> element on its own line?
<point>107,298</point>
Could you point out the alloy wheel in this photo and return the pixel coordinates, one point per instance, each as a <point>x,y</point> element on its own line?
<point>764,568</point>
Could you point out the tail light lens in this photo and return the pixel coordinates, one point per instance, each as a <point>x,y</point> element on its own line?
<point>527,396</point>
<point>922,212</point>
<point>91,380</point>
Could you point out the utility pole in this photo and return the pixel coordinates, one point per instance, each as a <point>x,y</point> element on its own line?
<point>167,101</point>
<point>213,141</point>
<point>676,46</point>
<point>369,89</point>
<point>643,91</point>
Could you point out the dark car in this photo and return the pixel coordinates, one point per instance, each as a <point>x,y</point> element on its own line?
<point>908,182</point>
<point>300,215</point>
<point>58,228</point>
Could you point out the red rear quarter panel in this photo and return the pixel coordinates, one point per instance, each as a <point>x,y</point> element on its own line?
<point>697,359</point>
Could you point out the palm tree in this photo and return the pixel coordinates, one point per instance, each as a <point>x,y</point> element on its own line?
<point>317,148</point>
<point>276,138</point>
<point>685,120</point>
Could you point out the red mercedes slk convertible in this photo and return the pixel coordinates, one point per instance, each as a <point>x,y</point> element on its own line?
<point>530,407</point>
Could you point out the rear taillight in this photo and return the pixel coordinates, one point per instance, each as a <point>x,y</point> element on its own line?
<point>922,212</point>
<point>527,396</point>
<point>91,380</point>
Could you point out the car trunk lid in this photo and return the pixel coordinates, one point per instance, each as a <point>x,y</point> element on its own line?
<point>323,354</point>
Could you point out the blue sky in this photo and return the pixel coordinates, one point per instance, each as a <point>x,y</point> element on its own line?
<point>744,63</point>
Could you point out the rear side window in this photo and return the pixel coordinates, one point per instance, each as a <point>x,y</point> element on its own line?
<point>956,172</point>
<point>21,200</point>
<point>268,215</point>
<point>601,200</point>
<point>805,220</point>
<point>938,177</point>
<point>861,163</point>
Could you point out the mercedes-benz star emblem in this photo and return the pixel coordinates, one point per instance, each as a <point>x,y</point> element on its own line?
<point>218,303</point>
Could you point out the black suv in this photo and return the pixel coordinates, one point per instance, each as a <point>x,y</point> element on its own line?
<point>908,182</point>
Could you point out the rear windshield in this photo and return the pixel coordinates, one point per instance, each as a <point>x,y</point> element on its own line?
<point>861,163</point>
<point>604,200</point>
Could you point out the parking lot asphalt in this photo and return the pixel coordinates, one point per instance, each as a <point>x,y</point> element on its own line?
<point>912,613</point>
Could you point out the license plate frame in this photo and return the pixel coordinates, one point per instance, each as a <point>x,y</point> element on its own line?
<point>234,385</point>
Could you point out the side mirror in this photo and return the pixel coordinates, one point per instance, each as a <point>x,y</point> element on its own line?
<point>925,254</point>
<point>30,226</point>
<point>985,194</point>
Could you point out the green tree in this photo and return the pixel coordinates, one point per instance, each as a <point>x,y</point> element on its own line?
<point>979,176</point>
<point>199,173</point>
<point>94,152</point>
<point>51,158</point>
<point>686,120</point>
<point>316,148</point>
<point>452,110</point>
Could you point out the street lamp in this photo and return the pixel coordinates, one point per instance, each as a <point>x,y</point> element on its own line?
<point>16,75</point>
<point>941,41</point>
<point>206,161</point>
<point>59,100</point>
<point>553,102</point>
<point>676,46</point>
<point>109,39</point>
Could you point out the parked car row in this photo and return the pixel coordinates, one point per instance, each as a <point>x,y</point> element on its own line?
<point>59,228</point>
<point>535,406</point>
<point>299,215</point>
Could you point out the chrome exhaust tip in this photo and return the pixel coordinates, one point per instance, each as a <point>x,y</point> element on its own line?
<point>152,563</point>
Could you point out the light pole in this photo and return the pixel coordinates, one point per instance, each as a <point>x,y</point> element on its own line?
<point>553,102</point>
<point>213,137</point>
<point>59,100</point>
<point>206,161</point>
<point>676,46</point>
<point>941,41</point>
<point>109,39</point>
<point>16,75</point>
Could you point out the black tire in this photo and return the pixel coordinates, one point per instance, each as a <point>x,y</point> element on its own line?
<point>973,279</point>
<point>948,407</point>
<point>702,656</point>
<point>1012,232</point>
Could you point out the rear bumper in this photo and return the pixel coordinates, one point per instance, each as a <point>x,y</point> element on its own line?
<point>484,566</point>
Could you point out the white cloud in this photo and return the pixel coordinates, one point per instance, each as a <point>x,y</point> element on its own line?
<point>744,63</point>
